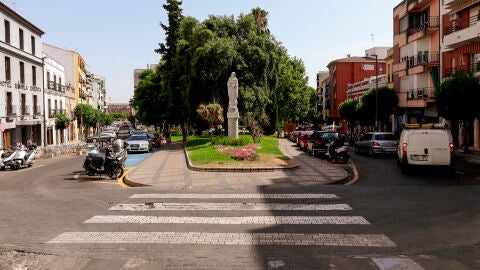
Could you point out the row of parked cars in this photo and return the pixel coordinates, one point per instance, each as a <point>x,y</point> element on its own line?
<point>137,141</point>
<point>417,145</point>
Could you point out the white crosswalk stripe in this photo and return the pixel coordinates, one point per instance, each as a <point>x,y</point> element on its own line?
<point>259,214</point>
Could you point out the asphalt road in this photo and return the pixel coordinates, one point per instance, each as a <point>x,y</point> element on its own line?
<point>60,217</point>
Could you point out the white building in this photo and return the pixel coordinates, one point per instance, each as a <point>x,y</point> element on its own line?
<point>55,97</point>
<point>21,90</point>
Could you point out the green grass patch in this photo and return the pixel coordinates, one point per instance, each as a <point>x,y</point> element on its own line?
<point>201,151</point>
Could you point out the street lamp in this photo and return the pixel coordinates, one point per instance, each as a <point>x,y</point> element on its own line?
<point>376,91</point>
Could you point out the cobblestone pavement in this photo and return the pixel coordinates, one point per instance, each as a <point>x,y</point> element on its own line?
<point>168,168</point>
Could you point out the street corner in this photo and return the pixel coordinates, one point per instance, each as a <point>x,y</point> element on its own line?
<point>126,181</point>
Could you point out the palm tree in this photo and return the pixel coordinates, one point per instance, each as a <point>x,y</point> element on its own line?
<point>212,113</point>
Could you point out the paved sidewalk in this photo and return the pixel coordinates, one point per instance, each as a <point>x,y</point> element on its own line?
<point>169,168</point>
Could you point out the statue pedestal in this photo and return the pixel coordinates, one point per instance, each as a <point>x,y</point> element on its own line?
<point>232,116</point>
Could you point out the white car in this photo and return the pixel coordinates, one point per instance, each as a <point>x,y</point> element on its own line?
<point>431,146</point>
<point>139,143</point>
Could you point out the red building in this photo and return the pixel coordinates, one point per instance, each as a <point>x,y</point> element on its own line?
<point>347,71</point>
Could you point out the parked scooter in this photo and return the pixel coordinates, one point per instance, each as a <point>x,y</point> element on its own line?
<point>119,148</point>
<point>2,154</point>
<point>24,157</point>
<point>337,152</point>
<point>8,159</point>
<point>96,164</point>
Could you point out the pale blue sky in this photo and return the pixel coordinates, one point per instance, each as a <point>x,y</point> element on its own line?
<point>115,37</point>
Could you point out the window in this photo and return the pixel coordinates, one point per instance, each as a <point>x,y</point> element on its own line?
<point>20,36</point>
<point>22,104</point>
<point>9,103</point>
<point>7,31</point>
<point>22,72</point>
<point>35,104</point>
<point>54,82</point>
<point>34,75</point>
<point>8,75</point>
<point>48,80</point>
<point>33,44</point>
<point>59,84</point>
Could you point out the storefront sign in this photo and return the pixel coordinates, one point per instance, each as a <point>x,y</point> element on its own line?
<point>6,84</point>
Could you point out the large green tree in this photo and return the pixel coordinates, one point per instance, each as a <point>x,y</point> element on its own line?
<point>271,84</point>
<point>458,97</point>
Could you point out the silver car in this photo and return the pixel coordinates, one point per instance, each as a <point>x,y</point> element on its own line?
<point>139,143</point>
<point>375,143</point>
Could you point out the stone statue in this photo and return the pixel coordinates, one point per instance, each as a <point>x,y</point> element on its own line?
<point>232,85</point>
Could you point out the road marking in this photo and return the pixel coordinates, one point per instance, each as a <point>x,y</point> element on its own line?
<point>234,196</point>
<point>291,239</point>
<point>264,220</point>
<point>228,206</point>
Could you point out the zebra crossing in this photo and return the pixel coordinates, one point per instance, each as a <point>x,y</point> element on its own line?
<point>226,210</point>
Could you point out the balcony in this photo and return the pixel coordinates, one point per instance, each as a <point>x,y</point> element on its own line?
<point>415,98</point>
<point>460,32</point>
<point>416,5</point>
<point>420,62</point>
<point>427,26</point>
<point>472,68</point>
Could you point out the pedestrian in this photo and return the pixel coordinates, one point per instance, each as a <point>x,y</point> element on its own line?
<point>461,137</point>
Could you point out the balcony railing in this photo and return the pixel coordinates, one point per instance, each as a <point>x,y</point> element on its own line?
<point>472,68</point>
<point>422,58</point>
<point>429,23</point>
<point>459,24</point>
<point>420,93</point>
<point>11,110</point>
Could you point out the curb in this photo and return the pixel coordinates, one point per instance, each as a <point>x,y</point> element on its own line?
<point>125,182</point>
<point>235,169</point>
<point>355,174</point>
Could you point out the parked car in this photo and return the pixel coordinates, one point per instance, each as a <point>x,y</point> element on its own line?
<point>300,137</point>
<point>124,132</point>
<point>426,147</point>
<point>375,143</point>
<point>320,140</point>
<point>139,143</point>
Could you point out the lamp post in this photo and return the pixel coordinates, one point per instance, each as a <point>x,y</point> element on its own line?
<point>376,91</point>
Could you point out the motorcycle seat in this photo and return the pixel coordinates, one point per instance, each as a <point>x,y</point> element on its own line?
<point>95,156</point>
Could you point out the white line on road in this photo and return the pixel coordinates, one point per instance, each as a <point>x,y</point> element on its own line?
<point>234,196</point>
<point>293,239</point>
<point>264,220</point>
<point>228,206</point>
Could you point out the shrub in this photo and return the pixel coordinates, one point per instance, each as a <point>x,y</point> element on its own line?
<point>224,140</point>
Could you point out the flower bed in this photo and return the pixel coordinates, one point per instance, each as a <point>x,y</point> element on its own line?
<point>239,153</point>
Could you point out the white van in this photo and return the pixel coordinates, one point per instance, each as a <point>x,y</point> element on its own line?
<point>426,145</point>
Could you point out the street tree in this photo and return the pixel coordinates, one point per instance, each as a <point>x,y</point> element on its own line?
<point>457,99</point>
<point>348,111</point>
<point>386,101</point>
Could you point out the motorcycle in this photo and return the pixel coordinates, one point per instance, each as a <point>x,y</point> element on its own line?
<point>96,164</point>
<point>2,154</point>
<point>24,157</point>
<point>337,152</point>
<point>119,148</point>
<point>8,159</point>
